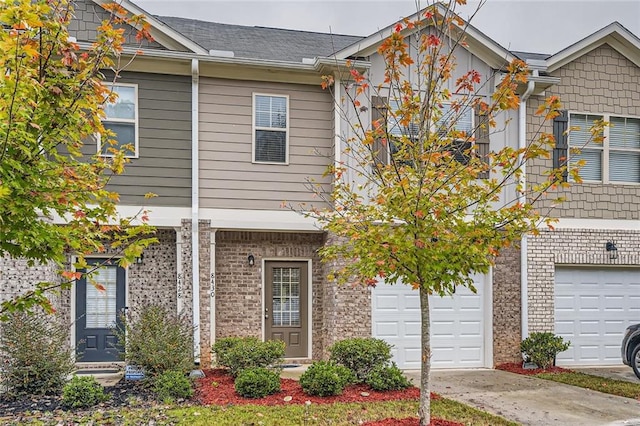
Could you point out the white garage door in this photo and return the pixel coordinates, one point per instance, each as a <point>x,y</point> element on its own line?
<point>457,325</point>
<point>593,307</point>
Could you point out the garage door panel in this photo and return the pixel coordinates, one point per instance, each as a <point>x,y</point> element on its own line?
<point>593,307</point>
<point>457,322</point>
<point>386,329</point>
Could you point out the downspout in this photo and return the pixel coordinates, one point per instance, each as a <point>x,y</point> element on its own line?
<point>212,291</point>
<point>195,240</point>
<point>337,155</point>
<point>522,198</point>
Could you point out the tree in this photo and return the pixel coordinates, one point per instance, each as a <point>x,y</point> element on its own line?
<point>52,103</point>
<point>418,199</point>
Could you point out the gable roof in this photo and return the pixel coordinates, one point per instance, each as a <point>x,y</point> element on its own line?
<point>259,42</point>
<point>478,43</point>
<point>614,34</point>
<point>162,34</point>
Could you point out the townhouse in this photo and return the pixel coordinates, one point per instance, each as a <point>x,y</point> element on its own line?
<point>230,123</point>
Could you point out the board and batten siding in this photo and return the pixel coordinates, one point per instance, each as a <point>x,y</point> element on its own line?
<point>228,177</point>
<point>163,166</point>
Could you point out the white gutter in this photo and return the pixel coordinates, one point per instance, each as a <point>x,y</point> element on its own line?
<point>522,198</point>
<point>195,241</point>
<point>212,290</point>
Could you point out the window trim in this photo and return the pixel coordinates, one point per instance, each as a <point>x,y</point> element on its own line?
<point>135,121</point>
<point>254,128</point>
<point>604,147</point>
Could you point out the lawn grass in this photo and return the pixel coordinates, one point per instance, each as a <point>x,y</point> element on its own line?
<point>330,414</point>
<point>596,383</point>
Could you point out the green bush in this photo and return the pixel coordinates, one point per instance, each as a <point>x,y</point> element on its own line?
<point>257,382</point>
<point>387,378</point>
<point>157,340</point>
<point>241,353</point>
<point>36,355</point>
<point>361,355</point>
<point>326,378</point>
<point>542,348</point>
<point>83,392</point>
<point>171,385</point>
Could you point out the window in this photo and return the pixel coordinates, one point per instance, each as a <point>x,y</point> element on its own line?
<point>451,120</point>
<point>122,119</point>
<point>270,129</point>
<point>617,159</point>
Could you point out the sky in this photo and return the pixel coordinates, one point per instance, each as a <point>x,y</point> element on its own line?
<point>524,25</point>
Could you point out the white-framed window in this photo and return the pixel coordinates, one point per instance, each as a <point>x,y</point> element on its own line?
<point>450,120</point>
<point>617,158</point>
<point>121,117</point>
<point>270,128</point>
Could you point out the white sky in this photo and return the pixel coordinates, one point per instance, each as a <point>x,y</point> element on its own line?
<point>527,25</point>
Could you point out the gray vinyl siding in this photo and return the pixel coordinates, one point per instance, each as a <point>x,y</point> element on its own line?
<point>88,16</point>
<point>228,178</point>
<point>163,166</point>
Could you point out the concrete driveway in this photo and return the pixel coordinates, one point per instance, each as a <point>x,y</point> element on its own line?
<point>532,401</point>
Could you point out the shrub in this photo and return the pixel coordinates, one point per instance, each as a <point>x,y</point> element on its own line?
<point>542,348</point>
<point>387,378</point>
<point>361,355</point>
<point>157,340</point>
<point>171,385</point>
<point>241,353</point>
<point>257,382</point>
<point>326,378</point>
<point>37,358</point>
<point>83,392</point>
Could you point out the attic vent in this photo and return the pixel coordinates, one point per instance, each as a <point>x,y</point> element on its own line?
<point>222,53</point>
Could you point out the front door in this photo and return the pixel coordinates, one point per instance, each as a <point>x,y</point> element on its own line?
<point>286,301</point>
<point>97,311</point>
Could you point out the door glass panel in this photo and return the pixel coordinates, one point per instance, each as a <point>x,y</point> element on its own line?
<point>101,305</point>
<point>286,297</point>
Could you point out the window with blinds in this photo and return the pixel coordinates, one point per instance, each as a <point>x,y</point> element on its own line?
<point>271,124</point>
<point>101,304</point>
<point>617,159</point>
<point>121,118</point>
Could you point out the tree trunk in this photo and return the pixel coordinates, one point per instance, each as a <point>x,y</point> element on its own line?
<point>425,376</point>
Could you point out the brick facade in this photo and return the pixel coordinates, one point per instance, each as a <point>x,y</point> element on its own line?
<point>506,307</point>
<point>570,247</point>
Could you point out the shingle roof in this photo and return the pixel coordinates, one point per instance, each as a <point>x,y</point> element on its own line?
<point>529,55</point>
<point>260,42</point>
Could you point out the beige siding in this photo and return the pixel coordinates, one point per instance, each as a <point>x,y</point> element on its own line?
<point>601,81</point>
<point>228,178</point>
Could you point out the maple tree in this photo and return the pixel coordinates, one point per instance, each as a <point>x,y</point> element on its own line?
<point>53,98</point>
<point>417,199</point>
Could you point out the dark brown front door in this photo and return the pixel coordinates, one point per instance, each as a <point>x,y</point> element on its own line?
<point>286,301</point>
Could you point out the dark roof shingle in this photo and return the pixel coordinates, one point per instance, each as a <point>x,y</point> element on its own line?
<point>260,42</point>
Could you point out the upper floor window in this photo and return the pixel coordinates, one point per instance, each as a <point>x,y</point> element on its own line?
<point>270,129</point>
<point>121,117</point>
<point>456,122</point>
<point>617,159</point>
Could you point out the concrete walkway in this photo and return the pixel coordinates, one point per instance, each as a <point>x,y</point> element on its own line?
<point>532,401</point>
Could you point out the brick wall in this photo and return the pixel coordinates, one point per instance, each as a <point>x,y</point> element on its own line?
<point>239,286</point>
<point>347,309</point>
<point>506,307</point>
<point>570,247</point>
<point>601,81</point>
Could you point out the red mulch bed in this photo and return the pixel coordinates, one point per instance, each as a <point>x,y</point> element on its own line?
<point>411,421</point>
<point>217,388</point>
<point>514,367</point>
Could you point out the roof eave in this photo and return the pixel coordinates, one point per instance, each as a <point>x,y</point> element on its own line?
<point>162,33</point>
<point>614,34</point>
